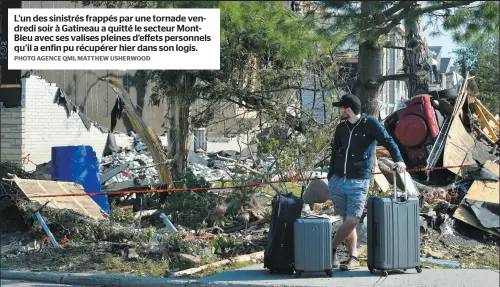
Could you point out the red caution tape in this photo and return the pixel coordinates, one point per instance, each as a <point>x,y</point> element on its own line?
<point>257,184</point>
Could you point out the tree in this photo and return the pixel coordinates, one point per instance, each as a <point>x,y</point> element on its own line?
<point>482,61</point>
<point>416,58</point>
<point>263,46</point>
<point>368,23</point>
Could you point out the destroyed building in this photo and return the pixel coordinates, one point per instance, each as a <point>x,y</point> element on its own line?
<point>32,121</point>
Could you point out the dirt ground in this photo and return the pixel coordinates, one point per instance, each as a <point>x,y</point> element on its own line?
<point>479,252</point>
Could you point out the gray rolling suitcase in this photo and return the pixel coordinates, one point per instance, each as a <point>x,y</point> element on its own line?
<point>393,233</point>
<point>313,246</point>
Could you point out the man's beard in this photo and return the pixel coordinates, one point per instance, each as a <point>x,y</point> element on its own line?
<point>344,116</point>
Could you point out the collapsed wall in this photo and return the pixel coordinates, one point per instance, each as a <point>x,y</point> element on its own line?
<point>11,134</point>
<point>30,131</point>
<point>48,118</point>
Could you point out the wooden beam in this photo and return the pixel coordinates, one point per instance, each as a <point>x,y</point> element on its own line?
<point>479,111</point>
<point>10,86</point>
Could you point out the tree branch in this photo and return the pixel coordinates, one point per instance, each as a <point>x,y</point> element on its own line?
<point>388,46</point>
<point>396,8</point>
<point>401,77</point>
<point>413,13</point>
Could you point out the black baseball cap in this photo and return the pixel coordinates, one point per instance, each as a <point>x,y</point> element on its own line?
<point>349,101</point>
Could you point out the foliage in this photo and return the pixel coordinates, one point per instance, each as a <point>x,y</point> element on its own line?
<point>265,52</point>
<point>121,215</point>
<point>229,246</point>
<point>367,24</point>
<point>191,180</point>
<point>472,23</point>
<point>371,22</point>
<point>482,61</point>
<point>301,153</point>
<point>263,47</point>
<point>191,209</point>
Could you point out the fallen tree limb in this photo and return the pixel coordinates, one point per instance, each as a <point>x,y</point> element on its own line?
<point>243,226</point>
<point>239,164</point>
<point>78,226</point>
<point>242,258</point>
<point>249,169</point>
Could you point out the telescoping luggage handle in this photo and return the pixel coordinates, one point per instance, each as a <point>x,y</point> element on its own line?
<point>395,193</point>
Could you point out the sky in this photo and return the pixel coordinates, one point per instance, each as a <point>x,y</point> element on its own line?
<point>445,40</point>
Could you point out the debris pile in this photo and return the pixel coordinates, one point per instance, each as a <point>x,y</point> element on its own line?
<point>135,165</point>
<point>7,188</point>
<point>204,226</point>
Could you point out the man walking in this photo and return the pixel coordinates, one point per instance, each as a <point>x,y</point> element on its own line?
<point>349,175</point>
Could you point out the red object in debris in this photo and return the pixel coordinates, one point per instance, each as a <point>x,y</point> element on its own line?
<point>411,130</point>
<point>417,129</point>
<point>64,240</point>
<point>125,173</point>
<point>441,193</point>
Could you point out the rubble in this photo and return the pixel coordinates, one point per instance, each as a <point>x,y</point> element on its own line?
<point>198,227</point>
<point>134,164</point>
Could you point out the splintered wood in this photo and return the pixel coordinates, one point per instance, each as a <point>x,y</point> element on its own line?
<point>147,135</point>
<point>480,191</point>
<point>81,204</point>
<point>459,143</point>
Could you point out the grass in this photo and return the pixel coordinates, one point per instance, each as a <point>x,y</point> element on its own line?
<point>483,259</point>
<point>114,264</point>
<point>146,267</point>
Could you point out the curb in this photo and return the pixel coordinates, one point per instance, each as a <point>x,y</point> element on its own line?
<point>32,276</point>
<point>93,279</point>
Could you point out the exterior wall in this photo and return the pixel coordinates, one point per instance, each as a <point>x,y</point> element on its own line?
<point>46,124</point>
<point>11,134</point>
<point>96,98</point>
<point>393,92</point>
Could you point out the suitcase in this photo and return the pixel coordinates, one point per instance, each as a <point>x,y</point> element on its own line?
<point>313,246</point>
<point>393,233</point>
<point>278,255</point>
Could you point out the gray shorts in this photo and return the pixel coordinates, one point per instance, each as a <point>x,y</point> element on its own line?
<point>348,195</point>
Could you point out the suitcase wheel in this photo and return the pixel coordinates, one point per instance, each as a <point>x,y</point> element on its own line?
<point>385,273</point>
<point>298,274</point>
<point>329,273</point>
<point>419,269</point>
<point>371,270</point>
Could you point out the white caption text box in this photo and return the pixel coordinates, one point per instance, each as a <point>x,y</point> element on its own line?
<point>114,39</point>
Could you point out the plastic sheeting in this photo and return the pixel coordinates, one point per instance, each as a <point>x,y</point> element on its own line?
<point>79,164</point>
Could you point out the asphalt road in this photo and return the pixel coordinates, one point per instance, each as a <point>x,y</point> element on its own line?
<point>256,275</point>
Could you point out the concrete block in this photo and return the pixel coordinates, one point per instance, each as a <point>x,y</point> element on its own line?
<point>11,151</point>
<point>11,121</point>
<point>12,157</point>
<point>13,136</point>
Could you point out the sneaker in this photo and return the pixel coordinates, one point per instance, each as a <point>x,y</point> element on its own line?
<point>336,262</point>
<point>351,264</point>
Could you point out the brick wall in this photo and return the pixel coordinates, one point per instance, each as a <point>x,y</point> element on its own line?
<point>46,124</point>
<point>11,134</point>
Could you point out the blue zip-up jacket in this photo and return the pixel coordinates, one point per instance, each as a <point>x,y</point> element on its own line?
<point>352,150</point>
